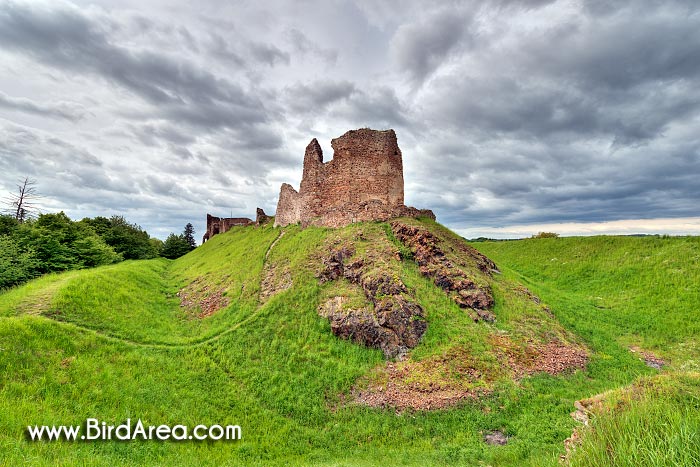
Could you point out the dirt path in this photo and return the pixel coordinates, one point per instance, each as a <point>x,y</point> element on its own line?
<point>40,302</point>
<point>272,245</point>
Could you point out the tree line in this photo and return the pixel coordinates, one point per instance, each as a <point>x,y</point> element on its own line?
<point>53,242</point>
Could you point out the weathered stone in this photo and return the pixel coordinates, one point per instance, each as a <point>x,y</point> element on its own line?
<point>334,266</point>
<point>260,217</point>
<point>217,225</point>
<point>363,181</point>
<point>403,317</point>
<point>434,263</point>
<point>394,324</point>
<point>496,438</point>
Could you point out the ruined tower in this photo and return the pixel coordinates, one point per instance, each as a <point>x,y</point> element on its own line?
<point>363,181</point>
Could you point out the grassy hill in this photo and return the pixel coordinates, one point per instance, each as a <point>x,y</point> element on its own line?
<point>638,294</point>
<point>641,291</point>
<point>232,334</point>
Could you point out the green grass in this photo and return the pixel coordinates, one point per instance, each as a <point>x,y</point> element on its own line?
<point>656,422</point>
<point>114,343</point>
<point>633,290</point>
<point>616,292</point>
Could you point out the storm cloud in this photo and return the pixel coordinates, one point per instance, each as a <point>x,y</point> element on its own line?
<point>508,113</point>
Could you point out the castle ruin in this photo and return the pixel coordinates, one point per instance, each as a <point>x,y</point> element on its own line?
<point>217,225</point>
<point>363,182</point>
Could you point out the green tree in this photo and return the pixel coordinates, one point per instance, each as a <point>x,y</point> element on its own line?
<point>157,245</point>
<point>189,236</point>
<point>546,235</point>
<point>17,264</point>
<point>8,225</point>
<point>175,246</point>
<point>100,225</point>
<point>130,240</point>
<point>51,236</point>
<point>61,244</point>
<point>91,251</point>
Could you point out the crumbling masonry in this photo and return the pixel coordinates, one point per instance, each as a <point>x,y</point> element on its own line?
<point>217,225</point>
<point>363,181</point>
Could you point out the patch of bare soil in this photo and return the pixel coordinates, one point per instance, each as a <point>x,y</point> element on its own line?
<point>496,438</point>
<point>274,281</point>
<point>650,359</point>
<point>200,300</point>
<point>431,384</point>
<point>553,357</point>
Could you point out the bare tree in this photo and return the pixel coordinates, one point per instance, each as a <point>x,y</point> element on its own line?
<point>22,204</point>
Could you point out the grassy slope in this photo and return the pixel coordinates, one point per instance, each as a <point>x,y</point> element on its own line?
<point>630,290</point>
<point>655,422</point>
<point>618,292</point>
<point>118,346</point>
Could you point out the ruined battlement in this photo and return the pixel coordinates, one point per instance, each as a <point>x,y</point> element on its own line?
<point>217,225</point>
<point>363,181</point>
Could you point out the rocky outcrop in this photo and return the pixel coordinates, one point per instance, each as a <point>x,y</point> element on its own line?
<point>434,263</point>
<point>363,181</point>
<point>394,323</point>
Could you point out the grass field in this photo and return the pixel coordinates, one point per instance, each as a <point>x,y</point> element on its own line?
<point>114,343</point>
<point>634,290</point>
<point>621,293</point>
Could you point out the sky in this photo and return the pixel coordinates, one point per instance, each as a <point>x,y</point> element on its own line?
<point>514,117</point>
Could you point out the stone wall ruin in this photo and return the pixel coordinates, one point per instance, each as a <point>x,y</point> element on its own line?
<point>363,182</point>
<point>217,225</point>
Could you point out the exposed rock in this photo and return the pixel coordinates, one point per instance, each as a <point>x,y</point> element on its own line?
<point>496,438</point>
<point>394,323</point>
<point>363,181</point>
<point>260,217</point>
<point>404,318</point>
<point>524,291</point>
<point>334,264</point>
<point>585,408</point>
<point>274,281</point>
<point>434,263</point>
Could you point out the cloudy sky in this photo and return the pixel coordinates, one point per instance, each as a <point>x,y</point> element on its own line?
<point>513,116</point>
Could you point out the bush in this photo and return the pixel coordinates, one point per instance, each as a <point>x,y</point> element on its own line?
<point>127,239</point>
<point>546,235</point>
<point>17,264</point>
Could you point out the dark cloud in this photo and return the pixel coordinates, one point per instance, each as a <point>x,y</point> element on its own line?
<point>621,52</point>
<point>268,54</point>
<point>153,133</point>
<point>420,47</point>
<point>303,46</point>
<point>242,53</point>
<point>317,96</point>
<point>68,39</point>
<point>221,49</point>
<point>64,110</point>
<point>507,112</point>
<point>377,107</point>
